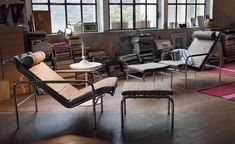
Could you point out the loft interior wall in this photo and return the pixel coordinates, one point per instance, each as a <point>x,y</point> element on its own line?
<point>224,13</point>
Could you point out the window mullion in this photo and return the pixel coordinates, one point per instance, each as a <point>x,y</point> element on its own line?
<point>66,14</point>
<point>186,11</point>
<point>121,5</point>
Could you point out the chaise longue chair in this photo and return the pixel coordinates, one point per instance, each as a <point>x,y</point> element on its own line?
<point>31,65</point>
<point>201,49</point>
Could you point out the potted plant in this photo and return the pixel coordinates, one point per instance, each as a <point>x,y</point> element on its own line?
<point>140,20</point>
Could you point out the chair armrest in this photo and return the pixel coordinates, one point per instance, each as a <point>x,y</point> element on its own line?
<point>195,56</point>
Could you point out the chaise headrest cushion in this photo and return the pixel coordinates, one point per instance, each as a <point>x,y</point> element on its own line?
<point>31,59</point>
<point>208,35</point>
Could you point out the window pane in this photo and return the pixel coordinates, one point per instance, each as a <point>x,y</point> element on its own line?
<point>200,1</point>
<point>190,12</point>
<point>151,16</point>
<point>171,13</point>
<point>39,1</point>
<point>181,14</point>
<point>127,1</point>
<point>114,1</point>
<point>151,1</point>
<point>40,7</point>
<point>74,14</point>
<point>57,1</point>
<point>140,16</point>
<point>200,10</point>
<point>89,14</point>
<point>115,17</point>
<point>88,1</point>
<point>181,1</point>
<point>127,16</point>
<point>140,1</point>
<point>57,17</point>
<point>191,1</point>
<point>171,1</point>
<point>73,1</point>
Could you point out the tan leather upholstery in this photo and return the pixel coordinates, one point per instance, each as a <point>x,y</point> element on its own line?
<point>210,35</point>
<point>67,90</point>
<point>148,67</point>
<point>146,88</point>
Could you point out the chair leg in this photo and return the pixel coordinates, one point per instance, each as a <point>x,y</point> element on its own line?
<point>154,76</point>
<point>122,110</point>
<point>94,112</point>
<point>172,112</point>
<point>102,106</point>
<point>36,98</point>
<point>124,101</point>
<point>220,66</point>
<point>16,107</point>
<point>186,77</point>
<point>171,79</point>
<point>169,106</point>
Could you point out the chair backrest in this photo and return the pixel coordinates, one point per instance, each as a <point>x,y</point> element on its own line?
<point>203,42</point>
<point>33,67</point>
<point>131,59</point>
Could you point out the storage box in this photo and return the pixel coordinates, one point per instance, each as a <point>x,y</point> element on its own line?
<point>4,90</point>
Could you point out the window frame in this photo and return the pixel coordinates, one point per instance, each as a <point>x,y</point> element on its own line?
<point>186,4</point>
<point>134,4</point>
<point>81,4</point>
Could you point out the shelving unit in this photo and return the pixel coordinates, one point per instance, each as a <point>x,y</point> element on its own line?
<point>144,46</point>
<point>228,45</point>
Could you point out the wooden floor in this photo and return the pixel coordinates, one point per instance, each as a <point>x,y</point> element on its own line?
<point>199,118</point>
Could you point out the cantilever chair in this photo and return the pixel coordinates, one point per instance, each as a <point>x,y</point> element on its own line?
<point>200,51</point>
<point>41,76</point>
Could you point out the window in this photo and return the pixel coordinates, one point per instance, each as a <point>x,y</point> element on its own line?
<point>67,12</point>
<point>181,11</point>
<point>133,14</point>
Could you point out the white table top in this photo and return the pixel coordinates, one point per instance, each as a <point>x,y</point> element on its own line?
<point>85,65</point>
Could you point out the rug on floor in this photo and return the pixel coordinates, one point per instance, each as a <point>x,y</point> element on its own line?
<point>225,91</point>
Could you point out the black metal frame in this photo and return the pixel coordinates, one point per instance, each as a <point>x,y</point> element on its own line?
<point>81,4</point>
<point>134,4</point>
<point>35,94</point>
<point>123,106</point>
<point>186,7</point>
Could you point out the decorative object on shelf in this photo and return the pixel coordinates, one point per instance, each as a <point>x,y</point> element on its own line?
<point>90,27</point>
<point>200,20</point>
<point>193,22</point>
